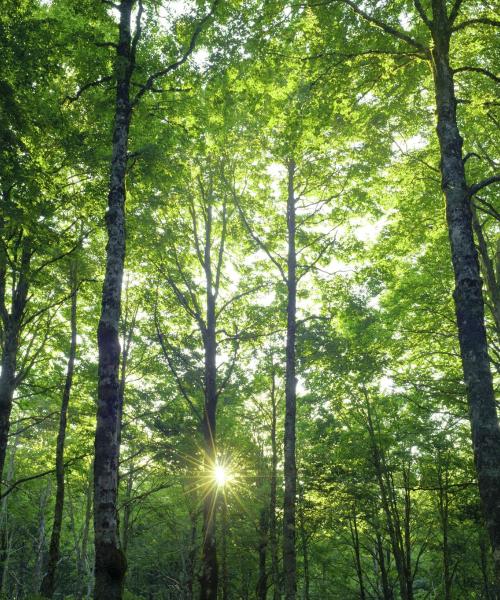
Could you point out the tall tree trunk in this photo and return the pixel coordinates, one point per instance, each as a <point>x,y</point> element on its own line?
<point>389,506</point>
<point>273,530</point>
<point>209,573</point>
<point>5,533</point>
<point>110,563</point>
<point>384,576</point>
<point>48,582</point>
<point>263,540</point>
<point>353,525</point>
<point>40,544</point>
<point>84,567</point>
<point>125,534</point>
<point>488,268</point>
<point>303,541</point>
<point>468,295</point>
<point>224,535</point>
<point>290,468</point>
<point>444,518</point>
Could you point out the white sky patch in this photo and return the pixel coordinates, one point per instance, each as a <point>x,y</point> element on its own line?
<point>265,298</point>
<point>366,230</point>
<point>366,98</point>
<point>277,172</point>
<point>374,302</point>
<point>386,384</point>
<point>200,58</point>
<point>405,20</point>
<point>301,387</point>
<point>416,142</point>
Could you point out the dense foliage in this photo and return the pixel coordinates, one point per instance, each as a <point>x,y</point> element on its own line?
<point>288,413</point>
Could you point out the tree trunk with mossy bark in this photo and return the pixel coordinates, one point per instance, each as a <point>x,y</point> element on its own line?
<point>468,296</point>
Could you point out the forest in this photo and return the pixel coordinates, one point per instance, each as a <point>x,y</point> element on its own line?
<point>249,300</point>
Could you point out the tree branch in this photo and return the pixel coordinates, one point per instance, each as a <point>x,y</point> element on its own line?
<point>180,61</point>
<point>454,12</point>
<point>474,189</point>
<point>481,70</point>
<point>478,21</point>
<point>401,35</point>
<point>178,380</point>
<point>17,483</point>
<point>422,13</point>
<point>87,86</point>
<point>257,240</point>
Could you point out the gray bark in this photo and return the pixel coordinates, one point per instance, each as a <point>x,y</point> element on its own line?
<point>110,563</point>
<point>468,296</point>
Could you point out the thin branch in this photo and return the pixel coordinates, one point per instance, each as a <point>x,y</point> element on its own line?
<point>180,61</point>
<point>87,86</point>
<point>478,21</point>
<point>474,189</point>
<point>470,155</point>
<point>195,312</point>
<point>220,257</point>
<point>257,240</point>
<point>422,13</point>
<point>106,45</point>
<point>230,369</point>
<point>489,74</point>
<point>489,210</point>
<point>178,380</point>
<point>197,246</point>
<point>328,244</point>
<point>238,297</point>
<point>454,12</point>
<point>401,35</point>
<point>17,483</point>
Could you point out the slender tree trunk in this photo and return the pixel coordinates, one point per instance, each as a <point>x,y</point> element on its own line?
<point>273,529</point>
<point>407,529</point>
<point>191,566</point>
<point>49,579</point>
<point>468,295</point>
<point>225,570</point>
<point>110,563</point>
<point>84,567</point>
<point>353,524</point>
<point>40,546</point>
<point>384,576</point>
<point>127,511</point>
<point>389,506</point>
<point>492,285</point>
<point>290,468</point>
<point>6,535</point>
<point>444,517</point>
<point>209,574</point>
<point>303,541</point>
<point>262,551</point>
